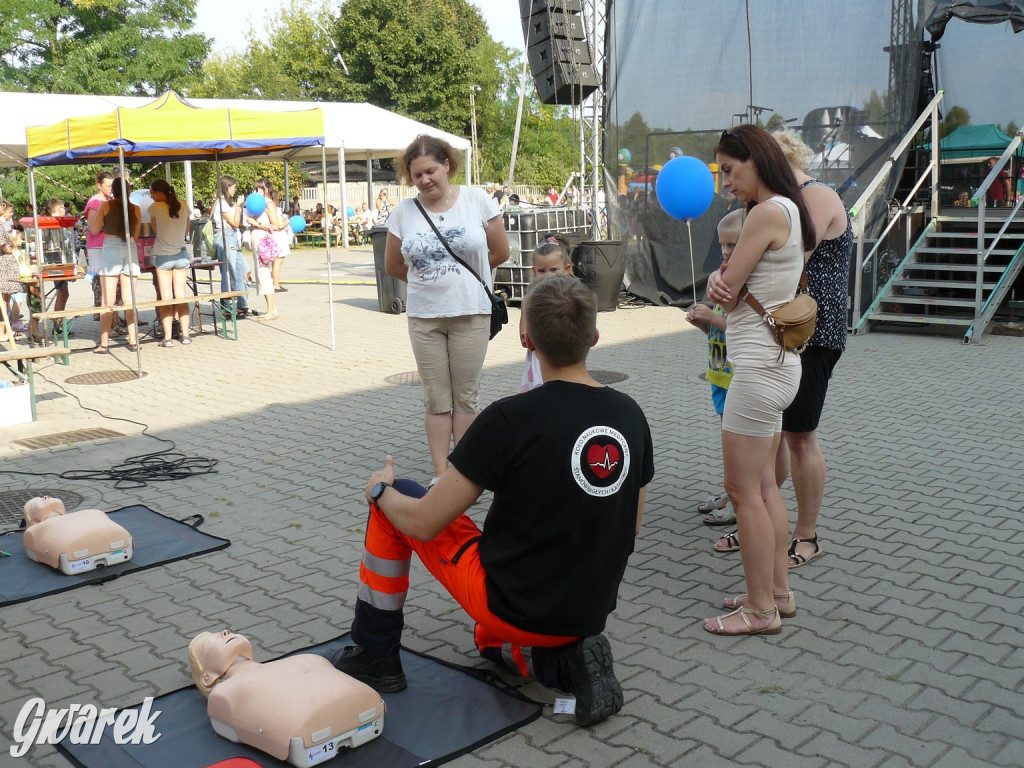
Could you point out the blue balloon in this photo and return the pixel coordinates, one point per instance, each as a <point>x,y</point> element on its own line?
<point>625,157</point>
<point>350,211</point>
<point>255,204</point>
<point>297,224</point>
<point>685,188</point>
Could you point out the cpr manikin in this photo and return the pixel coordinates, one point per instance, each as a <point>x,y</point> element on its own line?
<point>299,709</point>
<point>73,543</point>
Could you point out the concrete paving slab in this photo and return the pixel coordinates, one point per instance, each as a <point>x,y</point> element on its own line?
<point>906,649</point>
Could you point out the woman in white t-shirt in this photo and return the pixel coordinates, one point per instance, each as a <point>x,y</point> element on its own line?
<point>170,223</point>
<point>767,262</point>
<point>449,311</point>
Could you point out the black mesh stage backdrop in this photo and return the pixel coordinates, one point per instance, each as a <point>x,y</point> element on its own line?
<point>678,73</point>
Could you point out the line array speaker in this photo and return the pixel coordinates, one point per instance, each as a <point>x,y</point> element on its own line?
<point>557,50</point>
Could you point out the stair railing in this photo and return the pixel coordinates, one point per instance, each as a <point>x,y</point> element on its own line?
<point>931,112</point>
<point>982,194</point>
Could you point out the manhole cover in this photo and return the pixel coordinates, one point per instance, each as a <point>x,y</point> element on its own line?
<point>608,377</point>
<point>12,502</point>
<point>104,377</point>
<point>409,377</point>
<point>67,438</point>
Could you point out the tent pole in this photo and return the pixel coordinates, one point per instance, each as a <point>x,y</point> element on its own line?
<point>189,194</point>
<point>287,187</point>
<point>128,241</point>
<point>342,183</point>
<point>369,184</point>
<point>37,239</point>
<point>327,240</point>
<point>225,267</point>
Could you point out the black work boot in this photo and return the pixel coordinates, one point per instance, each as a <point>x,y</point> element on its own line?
<point>585,669</point>
<point>381,671</point>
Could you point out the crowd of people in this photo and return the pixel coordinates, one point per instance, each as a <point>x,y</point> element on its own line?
<point>571,490</point>
<point>111,219</point>
<point>541,577</point>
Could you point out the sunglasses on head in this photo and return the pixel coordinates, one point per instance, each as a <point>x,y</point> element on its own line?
<point>727,134</point>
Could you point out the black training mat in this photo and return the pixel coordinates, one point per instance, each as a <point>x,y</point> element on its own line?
<point>158,540</point>
<point>445,712</point>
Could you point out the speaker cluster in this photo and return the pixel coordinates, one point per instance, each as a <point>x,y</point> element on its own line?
<point>557,50</point>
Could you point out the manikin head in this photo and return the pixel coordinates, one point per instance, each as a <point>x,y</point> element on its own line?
<point>42,508</point>
<point>210,654</point>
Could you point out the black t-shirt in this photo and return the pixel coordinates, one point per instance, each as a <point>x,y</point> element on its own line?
<point>566,463</point>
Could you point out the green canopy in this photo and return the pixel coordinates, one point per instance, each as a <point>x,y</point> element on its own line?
<point>974,143</point>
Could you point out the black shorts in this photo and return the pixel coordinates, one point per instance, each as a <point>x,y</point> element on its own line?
<point>816,369</point>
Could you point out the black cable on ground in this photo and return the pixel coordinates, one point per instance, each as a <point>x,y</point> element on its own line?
<point>135,471</point>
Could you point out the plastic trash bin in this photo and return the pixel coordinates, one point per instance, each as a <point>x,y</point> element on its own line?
<point>391,292</point>
<point>601,265</point>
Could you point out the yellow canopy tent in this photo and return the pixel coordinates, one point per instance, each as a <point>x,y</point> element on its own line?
<point>171,129</point>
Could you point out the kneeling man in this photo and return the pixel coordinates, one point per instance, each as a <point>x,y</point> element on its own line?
<point>568,464</point>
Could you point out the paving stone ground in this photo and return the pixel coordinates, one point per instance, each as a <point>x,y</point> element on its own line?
<point>906,649</point>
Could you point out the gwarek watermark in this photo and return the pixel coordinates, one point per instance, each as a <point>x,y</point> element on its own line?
<point>82,724</point>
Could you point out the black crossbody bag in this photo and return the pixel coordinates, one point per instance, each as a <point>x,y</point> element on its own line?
<point>499,312</point>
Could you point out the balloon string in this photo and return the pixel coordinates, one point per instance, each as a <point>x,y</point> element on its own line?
<point>693,277</point>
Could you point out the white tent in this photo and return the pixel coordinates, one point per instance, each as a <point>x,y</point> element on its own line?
<point>351,131</point>
<point>361,131</point>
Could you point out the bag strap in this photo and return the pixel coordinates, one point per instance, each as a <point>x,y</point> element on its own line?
<point>748,297</point>
<point>448,247</point>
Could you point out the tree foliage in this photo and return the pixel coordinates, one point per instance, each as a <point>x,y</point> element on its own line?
<point>121,47</point>
<point>416,57</point>
<point>956,117</point>
<point>296,63</point>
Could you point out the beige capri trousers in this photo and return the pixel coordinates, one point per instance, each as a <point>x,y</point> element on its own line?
<point>449,354</point>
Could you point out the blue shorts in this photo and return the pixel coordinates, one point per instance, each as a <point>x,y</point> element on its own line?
<point>115,259</point>
<point>718,398</point>
<point>178,260</point>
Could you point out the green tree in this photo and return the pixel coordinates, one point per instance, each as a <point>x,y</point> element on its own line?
<point>297,63</point>
<point>122,47</point>
<point>956,117</point>
<point>1010,129</point>
<point>416,57</point>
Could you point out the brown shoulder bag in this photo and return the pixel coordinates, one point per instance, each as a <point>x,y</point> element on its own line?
<point>792,324</point>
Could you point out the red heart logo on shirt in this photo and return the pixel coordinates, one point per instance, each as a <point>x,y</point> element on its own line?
<point>603,459</point>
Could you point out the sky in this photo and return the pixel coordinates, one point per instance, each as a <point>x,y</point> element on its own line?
<point>227,23</point>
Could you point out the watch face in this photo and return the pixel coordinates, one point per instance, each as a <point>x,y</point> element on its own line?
<point>378,491</point>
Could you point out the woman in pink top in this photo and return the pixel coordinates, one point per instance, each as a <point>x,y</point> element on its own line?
<point>94,243</point>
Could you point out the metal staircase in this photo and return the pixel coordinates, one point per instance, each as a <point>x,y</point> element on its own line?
<point>940,281</point>
<point>963,264</point>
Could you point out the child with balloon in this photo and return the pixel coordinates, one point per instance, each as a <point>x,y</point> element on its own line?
<point>711,320</point>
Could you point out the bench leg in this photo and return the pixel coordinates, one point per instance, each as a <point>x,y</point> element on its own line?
<point>59,336</point>
<point>31,387</point>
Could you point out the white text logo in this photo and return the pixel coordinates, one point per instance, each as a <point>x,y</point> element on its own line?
<point>82,724</point>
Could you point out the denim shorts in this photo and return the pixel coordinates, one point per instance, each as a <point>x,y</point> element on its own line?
<point>178,260</point>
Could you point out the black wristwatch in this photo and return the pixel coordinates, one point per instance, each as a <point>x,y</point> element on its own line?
<point>378,490</point>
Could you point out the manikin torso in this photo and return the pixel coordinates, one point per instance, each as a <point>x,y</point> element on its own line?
<point>294,707</point>
<point>75,543</point>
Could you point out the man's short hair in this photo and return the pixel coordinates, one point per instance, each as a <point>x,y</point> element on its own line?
<point>561,319</point>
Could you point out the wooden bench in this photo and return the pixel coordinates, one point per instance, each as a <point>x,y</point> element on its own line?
<point>70,314</point>
<point>28,356</point>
